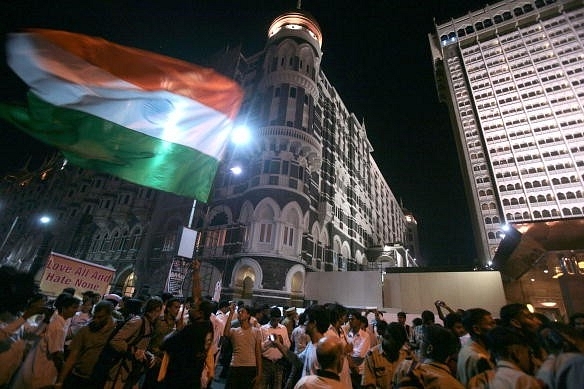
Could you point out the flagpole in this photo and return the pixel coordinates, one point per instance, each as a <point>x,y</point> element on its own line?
<point>192,213</point>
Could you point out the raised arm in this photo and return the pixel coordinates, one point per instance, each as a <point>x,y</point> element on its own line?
<point>227,328</point>
<point>196,288</point>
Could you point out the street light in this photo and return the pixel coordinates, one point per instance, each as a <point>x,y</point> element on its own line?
<point>43,250</point>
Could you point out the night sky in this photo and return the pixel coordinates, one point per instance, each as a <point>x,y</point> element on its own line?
<point>376,54</point>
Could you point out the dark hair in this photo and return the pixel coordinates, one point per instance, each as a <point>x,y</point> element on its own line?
<point>319,314</point>
<point>223,304</point>
<point>364,321</point>
<point>336,311</point>
<point>206,307</point>
<point>275,313</point>
<point>510,312</point>
<point>381,327</point>
<point>500,338</point>
<point>152,304</point>
<point>394,338</point>
<point>417,321</point>
<point>169,302</point>
<point>65,300</point>
<point>401,314</point>
<point>451,319</point>
<point>441,343</point>
<point>69,290</point>
<point>428,317</point>
<point>472,317</point>
<point>302,318</point>
<point>103,305</point>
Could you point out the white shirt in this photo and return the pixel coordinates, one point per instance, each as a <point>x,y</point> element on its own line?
<point>270,351</point>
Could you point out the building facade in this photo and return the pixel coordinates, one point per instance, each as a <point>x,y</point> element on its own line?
<point>310,196</point>
<point>512,76</point>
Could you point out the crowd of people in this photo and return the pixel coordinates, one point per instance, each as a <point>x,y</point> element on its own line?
<point>162,341</point>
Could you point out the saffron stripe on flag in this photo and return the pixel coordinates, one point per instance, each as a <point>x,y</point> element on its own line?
<point>151,71</point>
<point>161,114</point>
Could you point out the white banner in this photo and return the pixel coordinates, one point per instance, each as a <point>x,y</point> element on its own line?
<point>63,272</point>
<point>176,276</point>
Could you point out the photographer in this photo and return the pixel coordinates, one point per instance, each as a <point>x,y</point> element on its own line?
<point>273,361</point>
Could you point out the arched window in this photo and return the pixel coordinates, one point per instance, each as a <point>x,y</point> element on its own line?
<point>495,219</point>
<point>506,202</point>
<point>561,196</point>
<point>491,235</point>
<point>518,216</point>
<point>129,285</point>
<point>546,213</point>
<point>514,201</point>
<point>488,220</point>
<point>537,214</point>
<point>576,211</point>
<point>555,213</point>
<point>532,199</point>
<point>567,212</point>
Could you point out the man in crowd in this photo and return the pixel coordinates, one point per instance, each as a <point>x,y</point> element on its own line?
<point>272,362</point>
<point>514,363</point>
<point>85,349</point>
<point>330,355</point>
<point>317,322</point>
<point>439,367</point>
<point>474,357</point>
<point>245,370</point>
<point>359,339</point>
<point>401,319</point>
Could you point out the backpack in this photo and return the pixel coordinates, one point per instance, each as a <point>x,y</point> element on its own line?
<point>109,357</point>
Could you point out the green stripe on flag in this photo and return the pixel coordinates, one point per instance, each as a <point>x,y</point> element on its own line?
<point>100,145</point>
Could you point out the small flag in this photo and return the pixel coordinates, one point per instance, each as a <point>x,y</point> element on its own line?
<point>149,119</point>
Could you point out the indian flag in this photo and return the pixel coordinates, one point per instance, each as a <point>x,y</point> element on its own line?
<point>146,118</point>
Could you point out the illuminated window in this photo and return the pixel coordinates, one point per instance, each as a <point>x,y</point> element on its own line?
<point>129,285</point>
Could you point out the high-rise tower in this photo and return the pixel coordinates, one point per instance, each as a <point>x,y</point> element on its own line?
<point>512,75</point>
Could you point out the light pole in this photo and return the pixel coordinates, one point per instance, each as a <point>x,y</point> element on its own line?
<point>43,248</point>
<point>9,233</point>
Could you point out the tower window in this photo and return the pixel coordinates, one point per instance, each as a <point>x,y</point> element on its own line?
<point>293,92</point>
